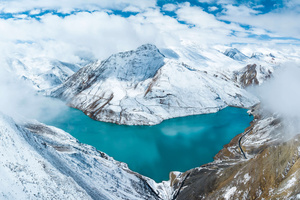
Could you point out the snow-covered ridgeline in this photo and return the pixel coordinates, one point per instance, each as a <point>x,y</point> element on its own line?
<point>42,162</point>
<point>42,73</point>
<point>144,87</point>
<point>147,86</point>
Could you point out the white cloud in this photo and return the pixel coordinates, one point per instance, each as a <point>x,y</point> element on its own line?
<point>21,16</point>
<point>206,1</point>
<point>131,9</point>
<point>258,6</point>
<point>196,16</point>
<point>35,12</point>
<point>239,11</point>
<point>213,8</point>
<point>100,34</point>
<point>226,2</point>
<point>207,27</point>
<point>66,6</point>
<point>169,7</point>
<point>283,23</point>
<point>291,3</point>
<point>97,32</point>
<point>281,96</point>
<point>19,101</point>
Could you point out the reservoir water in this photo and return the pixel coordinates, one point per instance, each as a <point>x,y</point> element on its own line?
<point>174,145</point>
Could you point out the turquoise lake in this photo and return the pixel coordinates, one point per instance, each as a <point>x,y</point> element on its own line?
<point>174,145</point>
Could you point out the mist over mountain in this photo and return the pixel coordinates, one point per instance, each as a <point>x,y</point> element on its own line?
<point>141,62</point>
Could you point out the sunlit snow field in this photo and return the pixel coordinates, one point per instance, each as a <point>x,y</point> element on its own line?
<point>174,145</point>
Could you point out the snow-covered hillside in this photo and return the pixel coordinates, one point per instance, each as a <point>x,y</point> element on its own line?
<point>147,86</point>
<point>42,73</point>
<point>235,54</point>
<point>42,162</point>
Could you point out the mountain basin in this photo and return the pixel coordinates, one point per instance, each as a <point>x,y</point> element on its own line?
<point>177,144</point>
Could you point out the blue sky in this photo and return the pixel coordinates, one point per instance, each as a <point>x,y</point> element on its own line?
<point>264,6</point>
<point>219,8</point>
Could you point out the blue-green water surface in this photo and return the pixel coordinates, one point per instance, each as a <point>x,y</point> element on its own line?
<point>174,145</point>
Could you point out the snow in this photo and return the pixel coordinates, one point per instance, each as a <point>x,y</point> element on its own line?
<point>246,178</point>
<point>25,173</point>
<point>290,183</point>
<point>229,193</point>
<point>148,85</point>
<point>41,73</point>
<point>42,162</point>
<point>235,54</point>
<point>143,87</point>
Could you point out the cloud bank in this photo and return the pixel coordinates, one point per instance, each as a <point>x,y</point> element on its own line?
<point>66,6</point>
<point>21,102</point>
<point>281,95</point>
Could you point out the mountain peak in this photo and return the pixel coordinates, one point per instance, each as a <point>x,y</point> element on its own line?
<point>235,54</point>
<point>135,65</point>
<point>257,55</point>
<point>150,47</point>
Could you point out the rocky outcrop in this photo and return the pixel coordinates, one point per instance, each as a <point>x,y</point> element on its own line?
<point>142,87</point>
<point>270,171</point>
<point>249,76</point>
<point>253,75</point>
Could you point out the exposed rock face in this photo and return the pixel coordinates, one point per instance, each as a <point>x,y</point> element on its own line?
<point>142,87</point>
<point>41,162</point>
<point>249,76</point>
<point>271,170</point>
<point>253,75</point>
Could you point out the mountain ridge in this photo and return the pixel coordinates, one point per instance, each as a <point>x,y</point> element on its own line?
<point>151,92</point>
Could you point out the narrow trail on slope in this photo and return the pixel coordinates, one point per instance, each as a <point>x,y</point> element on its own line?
<point>240,143</point>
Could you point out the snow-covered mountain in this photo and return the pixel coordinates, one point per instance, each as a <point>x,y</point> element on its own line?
<point>42,162</point>
<point>235,54</point>
<point>144,87</point>
<point>42,73</point>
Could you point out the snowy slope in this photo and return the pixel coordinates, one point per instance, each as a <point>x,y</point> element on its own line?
<point>235,54</point>
<point>258,67</point>
<point>144,87</point>
<point>41,162</point>
<point>41,73</point>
